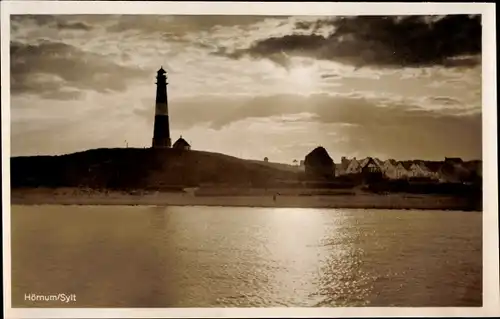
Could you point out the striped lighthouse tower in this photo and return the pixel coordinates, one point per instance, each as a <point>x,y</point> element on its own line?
<point>161,134</point>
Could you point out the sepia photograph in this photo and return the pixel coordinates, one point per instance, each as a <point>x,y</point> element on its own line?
<point>247,160</point>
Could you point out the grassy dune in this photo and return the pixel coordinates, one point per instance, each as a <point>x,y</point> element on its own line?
<point>175,177</point>
<point>142,168</point>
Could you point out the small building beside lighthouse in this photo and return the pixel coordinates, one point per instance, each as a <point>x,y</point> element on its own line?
<point>161,133</point>
<point>181,144</point>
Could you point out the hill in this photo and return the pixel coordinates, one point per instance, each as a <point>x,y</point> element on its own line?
<point>128,168</point>
<point>280,166</point>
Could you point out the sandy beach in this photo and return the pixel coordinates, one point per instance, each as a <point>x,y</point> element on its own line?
<point>75,196</point>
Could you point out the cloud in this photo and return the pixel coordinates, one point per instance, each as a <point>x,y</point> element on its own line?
<point>59,70</point>
<point>219,102</point>
<point>73,26</point>
<point>345,125</point>
<point>378,41</point>
<point>178,25</point>
<point>39,19</point>
<point>220,111</point>
<point>60,22</point>
<point>362,126</point>
<point>445,100</point>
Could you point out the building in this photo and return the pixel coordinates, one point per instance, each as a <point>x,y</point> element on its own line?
<point>453,160</point>
<point>453,171</point>
<point>388,167</point>
<point>354,167</point>
<point>420,170</point>
<point>379,162</point>
<point>408,172</point>
<point>371,170</point>
<point>398,171</point>
<point>475,167</point>
<point>370,166</point>
<point>318,164</point>
<point>161,133</point>
<point>434,169</point>
<point>341,168</point>
<point>182,144</point>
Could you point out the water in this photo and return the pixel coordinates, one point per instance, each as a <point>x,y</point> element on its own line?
<point>146,256</point>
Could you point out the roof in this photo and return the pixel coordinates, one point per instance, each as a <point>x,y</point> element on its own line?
<point>369,161</point>
<point>161,70</point>
<point>364,161</point>
<point>345,162</point>
<point>392,161</point>
<point>405,164</point>
<point>353,163</point>
<point>419,163</point>
<point>378,161</point>
<point>318,156</point>
<point>433,166</point>
<point>453,159</point>
<point>181,143</point>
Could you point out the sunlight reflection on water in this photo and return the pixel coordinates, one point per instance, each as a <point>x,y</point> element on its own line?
<point>117,256</point>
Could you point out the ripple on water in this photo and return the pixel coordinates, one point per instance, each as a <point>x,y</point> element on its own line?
<point>262,257</point>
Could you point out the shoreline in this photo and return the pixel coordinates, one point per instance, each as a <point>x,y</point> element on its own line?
<point>356,200</point>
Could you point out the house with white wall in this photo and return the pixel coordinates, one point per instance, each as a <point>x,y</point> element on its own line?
<point>354,167</point>
<point>434,168</point>
<point>341,168</point>
<point>419,169</point>
<point>370,166</point>
<point>362,162</point>
<point>379,162</point>
<point>388,166</point>
<point>396,171</point>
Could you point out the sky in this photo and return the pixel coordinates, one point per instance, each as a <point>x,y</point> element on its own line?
<point>401,87</point>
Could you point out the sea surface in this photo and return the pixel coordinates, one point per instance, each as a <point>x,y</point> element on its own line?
<point>148,256</point>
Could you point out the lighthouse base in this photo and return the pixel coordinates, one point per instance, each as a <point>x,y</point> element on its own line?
<point>161,134</point>
<point>162,143</point>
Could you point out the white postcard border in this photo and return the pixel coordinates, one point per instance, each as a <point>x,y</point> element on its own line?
<point>491,295</point>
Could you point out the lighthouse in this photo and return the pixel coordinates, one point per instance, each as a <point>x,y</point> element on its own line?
<point>161,134</point>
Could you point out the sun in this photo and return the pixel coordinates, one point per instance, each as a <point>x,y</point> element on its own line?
<point>296,76</point>
<point>302,77</point>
